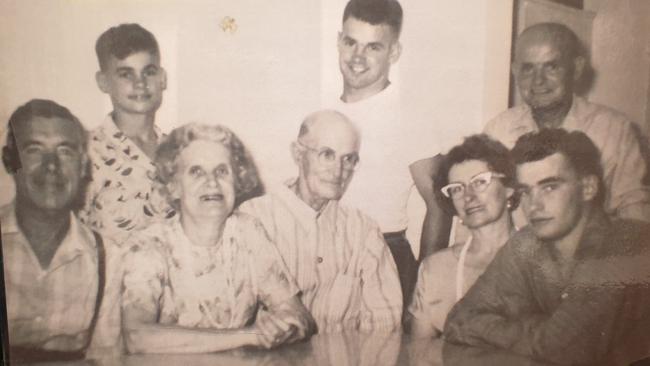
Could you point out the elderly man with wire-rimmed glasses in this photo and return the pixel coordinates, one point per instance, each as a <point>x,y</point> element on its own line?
<point>337,255</point>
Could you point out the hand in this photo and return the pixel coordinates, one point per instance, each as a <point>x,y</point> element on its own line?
<point>272,330</point>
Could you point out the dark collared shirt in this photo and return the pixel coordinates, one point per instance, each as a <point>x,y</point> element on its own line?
<point>526,303</point>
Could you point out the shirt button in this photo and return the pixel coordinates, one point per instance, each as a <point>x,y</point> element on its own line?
<point>564,296</point>
<point>319,259</point>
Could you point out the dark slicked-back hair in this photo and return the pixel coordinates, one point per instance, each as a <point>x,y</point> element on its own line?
<point>581,153</point>
<point>477,147</point>
<point>376,12</point>
<point>124,40</point>
<point>36,108</point>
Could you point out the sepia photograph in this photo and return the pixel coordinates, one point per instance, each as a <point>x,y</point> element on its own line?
<point>326,182</point>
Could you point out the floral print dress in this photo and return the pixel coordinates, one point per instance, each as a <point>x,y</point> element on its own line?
<point>216,287</point>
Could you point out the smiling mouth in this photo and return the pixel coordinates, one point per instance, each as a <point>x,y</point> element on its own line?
<point>140,97</point>
<point>216,197</point>
<point>473,210</point>
<point>538,221</point>
<point>358,69</point>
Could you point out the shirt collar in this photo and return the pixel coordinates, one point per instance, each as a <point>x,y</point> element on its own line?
<point>76,241</point>
<point>571,120</point>
<point>302,212</point>
<point>594,235</point>
<point>111,129</point>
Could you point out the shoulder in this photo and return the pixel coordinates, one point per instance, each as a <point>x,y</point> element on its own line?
<point>522,244</point>
<point>356,220</point>
<point>596,117</point>
<point>506,117</point>
<point>155,238</point>
<point>257,205</point>
<point>631,235</point>
<point>441,261</point>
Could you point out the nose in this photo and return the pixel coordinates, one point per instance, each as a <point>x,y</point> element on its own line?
<point>212,180</point>
<point>51,161</point>
<point>534,201</point>
<point>469,193</point>
<point>358,52</point>
<point>539,76</point>
<point>140,81</point>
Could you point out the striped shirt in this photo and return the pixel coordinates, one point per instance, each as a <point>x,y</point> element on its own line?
<point>47,302</point>
<point>339,259</point>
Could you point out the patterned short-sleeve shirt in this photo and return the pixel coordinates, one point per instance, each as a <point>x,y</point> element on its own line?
<point>205,287</point>
<point>123,194</point>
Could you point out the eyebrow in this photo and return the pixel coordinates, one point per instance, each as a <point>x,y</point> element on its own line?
<point>554,179</point>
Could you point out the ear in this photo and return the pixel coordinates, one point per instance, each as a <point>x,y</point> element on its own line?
<point>296,152</point>
<point>163,78</point>
<point>509,192</point>
<point>589,187</point>
<point>85,166</point>
<point>395,52</point>
<point>579,64</point>
<point>102,81</point>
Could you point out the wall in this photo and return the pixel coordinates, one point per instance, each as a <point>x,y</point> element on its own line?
<point>621,57</point>
<point>262,79</point>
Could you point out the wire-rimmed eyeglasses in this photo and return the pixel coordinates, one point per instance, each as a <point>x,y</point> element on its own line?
<point>328,157</point>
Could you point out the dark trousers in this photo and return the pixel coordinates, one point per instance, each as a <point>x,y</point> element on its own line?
<point>407,266</point>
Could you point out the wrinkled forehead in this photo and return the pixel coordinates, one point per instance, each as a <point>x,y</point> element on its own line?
<point>535,44</point>
<point>340,136</point>
<point>48,130</point>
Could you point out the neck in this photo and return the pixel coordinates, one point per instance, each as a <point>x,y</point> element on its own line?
<point>352,95</point>
<point>553,116</point>
<point>567,245</point>
<point>43,229</point>
<point>136,126</point>
<point>491,237</point>
<point>203,231</point>
<point>306,196</point>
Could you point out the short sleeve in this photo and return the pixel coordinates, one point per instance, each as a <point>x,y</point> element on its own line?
<point>144,275</point>
<point>271,277</point>
<point>434,292</point>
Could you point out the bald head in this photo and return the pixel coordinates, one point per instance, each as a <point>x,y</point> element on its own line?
<point>556,34</point>
<point>547,67</point>
<point>327,122</point>
<point>327,152</point>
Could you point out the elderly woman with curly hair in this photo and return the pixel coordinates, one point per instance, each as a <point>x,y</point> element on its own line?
<point>477,182</point>
<point>210,280</point>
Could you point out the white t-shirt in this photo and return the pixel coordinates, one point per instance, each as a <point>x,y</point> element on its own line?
<point>393,136</point>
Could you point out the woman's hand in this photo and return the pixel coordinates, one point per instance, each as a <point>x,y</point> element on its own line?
<point>272,329</point>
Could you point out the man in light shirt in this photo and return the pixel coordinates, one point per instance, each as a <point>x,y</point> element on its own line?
<point>53,264</point>
<point>337,255</point>
<point>548,64</point>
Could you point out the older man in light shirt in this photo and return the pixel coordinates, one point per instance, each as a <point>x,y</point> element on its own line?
<point>337,254</point>
<point>548,64</point>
